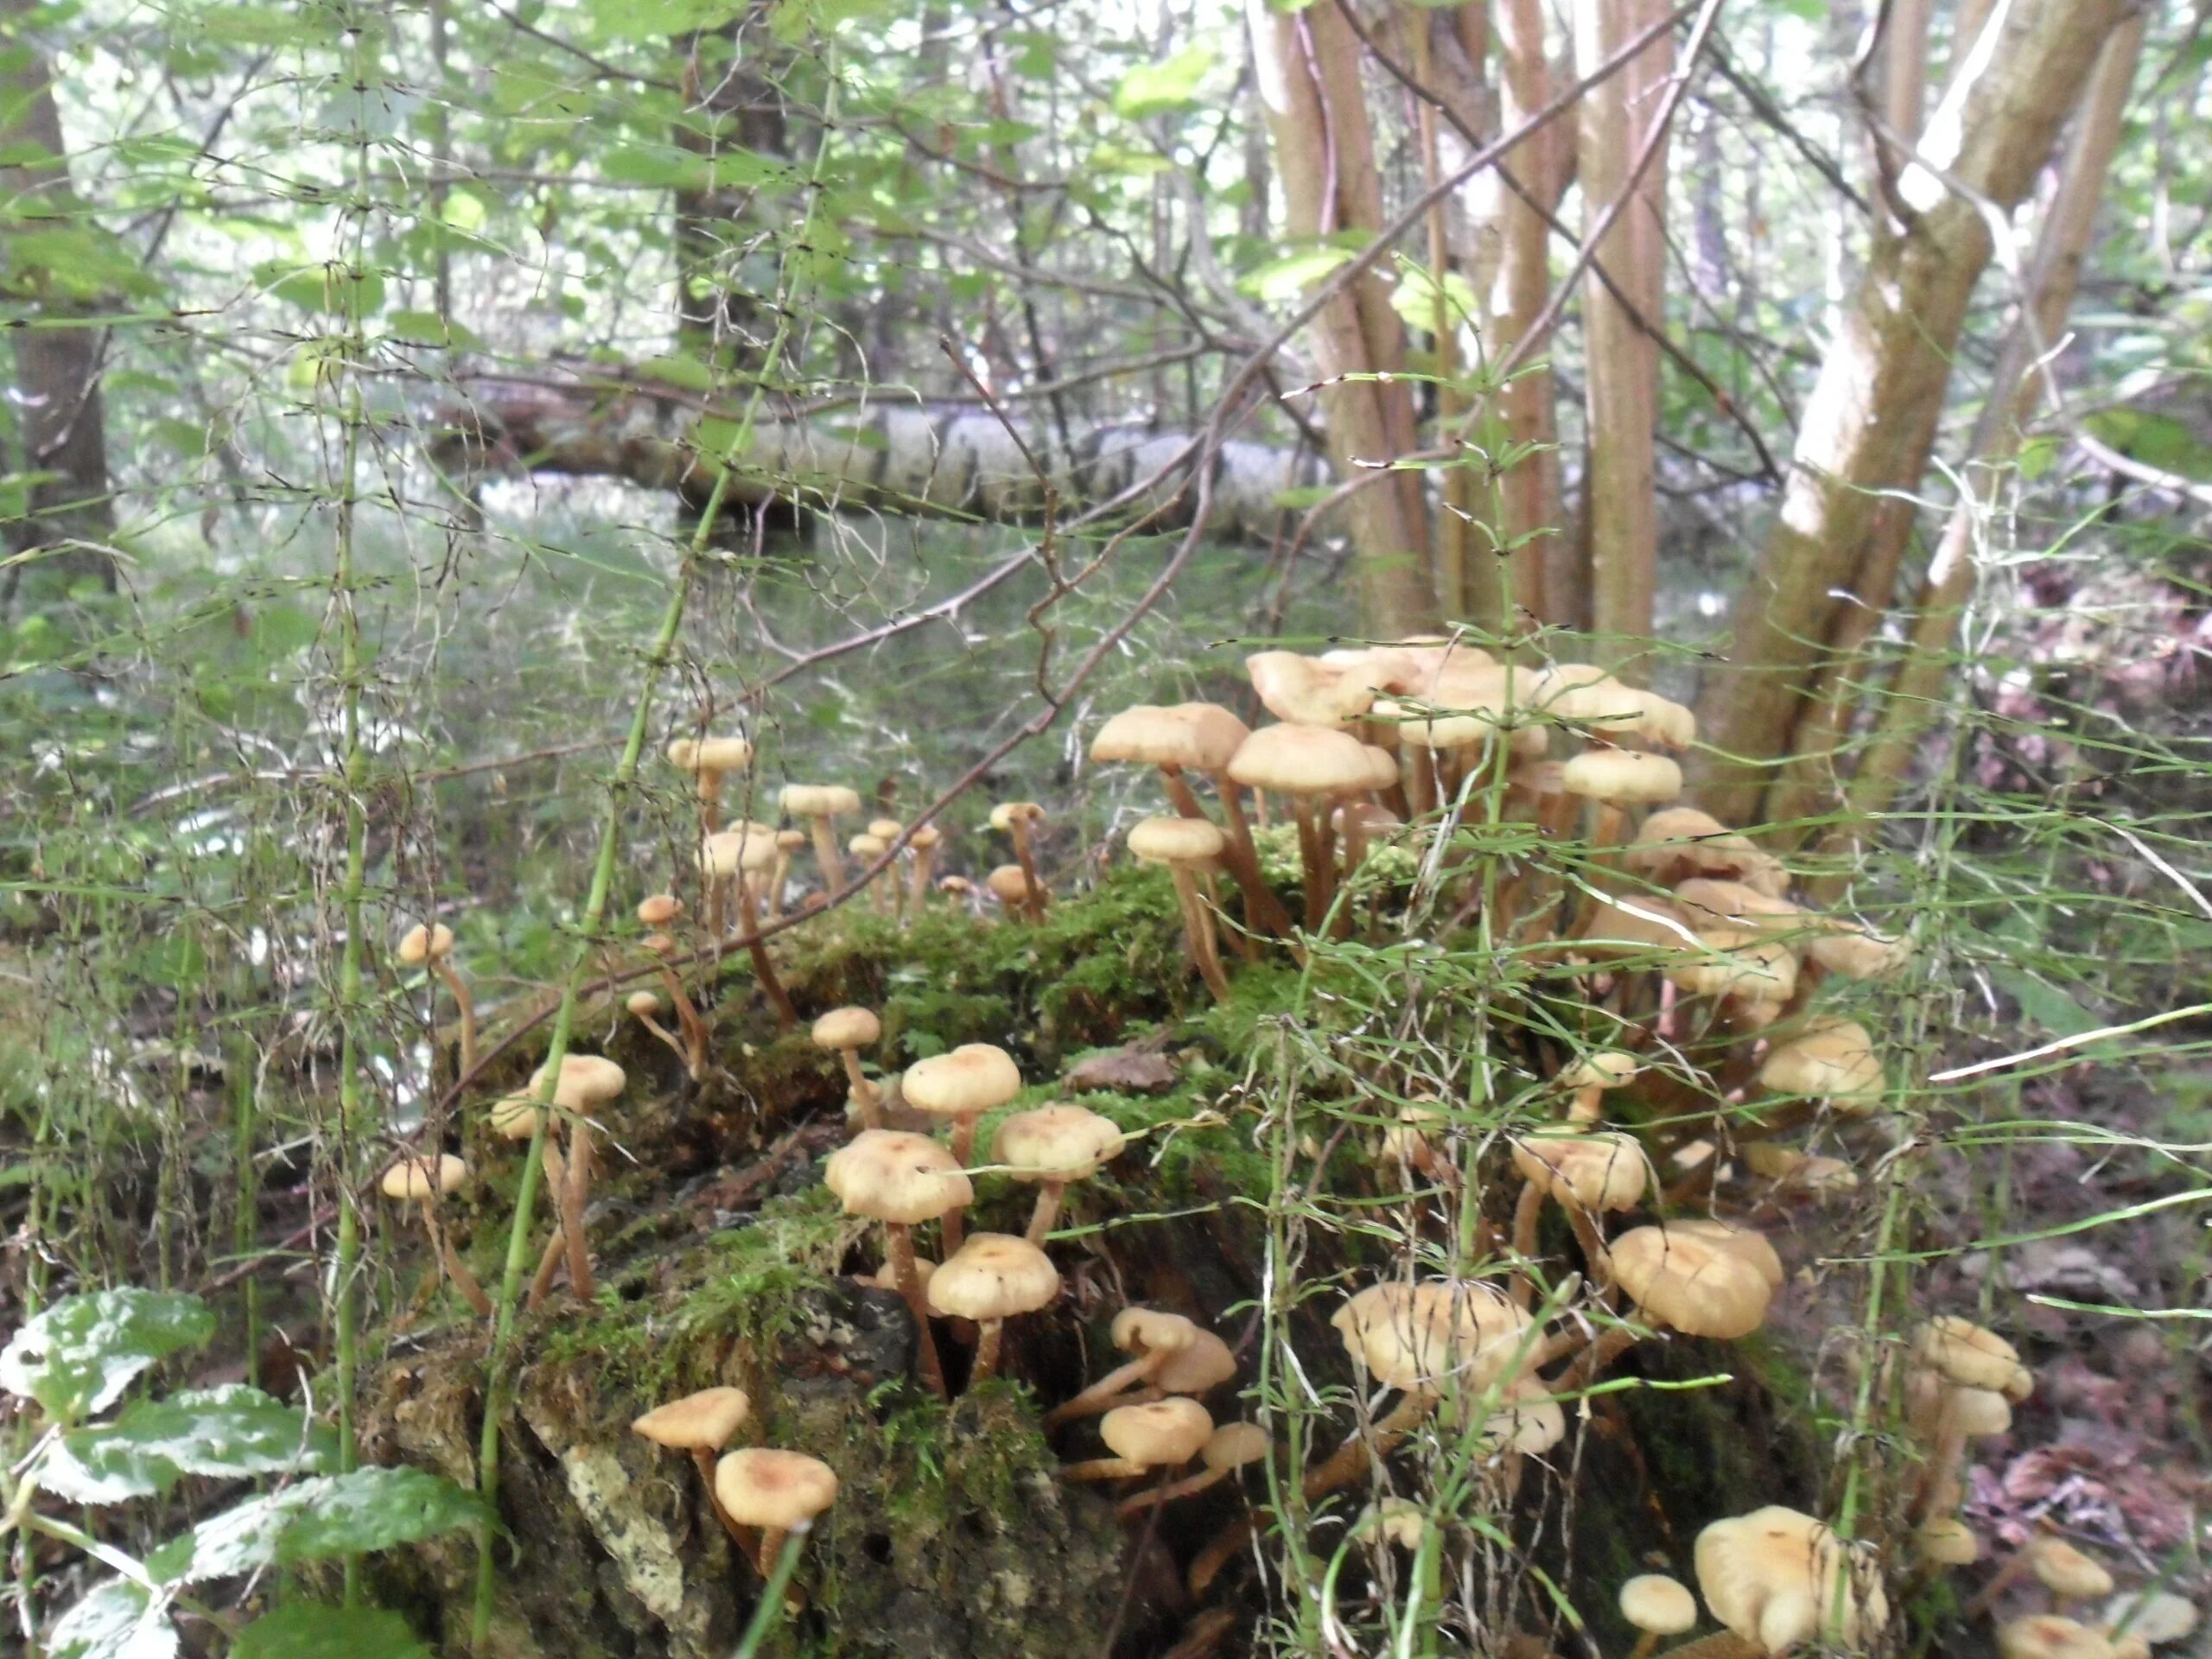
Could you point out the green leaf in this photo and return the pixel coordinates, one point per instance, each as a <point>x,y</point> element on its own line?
<point>428,328</point>
<point>1282,280</point>
<point>221,1433</point>
<point>2156,439</point>
<point>1158,88</point>
<point>77,1356</point>
<point>333,289</point>
<point>662,167</point>
<point>357,1513</point>
<point>117,1620</point>
<point>306,1630</point>
<point>1416,296</point>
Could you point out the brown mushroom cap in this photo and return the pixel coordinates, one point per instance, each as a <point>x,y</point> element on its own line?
<point>1604,1068</point>
<point>1158,1434</point>
<point>1176,841</point>
<point>642,1002</point>
<point>1854,951</point>
<point>1627,776</point>
<point>792,841</point>
<point>2065,1571</point>
<point>1061,1142</point>
<point>1147,1330</point>
<point>2046,1636</point>
<point>587,1081</point>
<point>422,1177</point>
<point>848,1029</point>
<point>1529,1421</point>
<point>1701,1286</point>
<point>709,754</point>
<point>1204,1365</point>
<point>1009,884</point>
<point>1200,736</point>
<point>1603,1171</point>
<point>889,1175</point>
<point>420,945</point>
<point>819,800</point>
<point>1676,844</point>
<point>1639,926</point>
<point>1778,1578</point>
<point>1006,814</point>
<point>1417,1336</point>
<point>886,830</point>
<point>1653,1602</point>
<point>994,1276</point>
<point>1709,902</point>
<point>701,1421</point>
<point>657,909</point>
<point>1964,1352</point>
<point>1737,963</point>
<point>972,1079</point>
<point>780,1491</point>
<point>1301,761</point>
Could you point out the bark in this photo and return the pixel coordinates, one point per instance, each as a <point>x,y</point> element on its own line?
<point>2015,389</point>
<point>952,463</point>
<point>61,423</point>
<point>1870,424</point>
<point>1307,66</point>
<point>1905,67</point>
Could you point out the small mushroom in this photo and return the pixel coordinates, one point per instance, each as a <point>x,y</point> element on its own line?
<point>1657,1605</point>
<point>2152,1616</point>
<point>657,912</point>
<point>1676,844</point>
<point>700,1424</point>
<point>1593,1077</point>
<point>780,1492</point>
<point>423,1181</point>
<point>1702,1278</point>
<point>1618,779</point>
<point>865,847</point>
<point>1586,1174</point>
<point>1945,1541</point>
<point>746,855</point>
<point>1187,846</point>
<point>1229,1448</point>
<point>925,839</point>
<point>1159,1434</point>
<point>1310,764</point>
<point>2047,1636</point>
<point>960,1087</point>
<point>1052,1146</point>
<point>644,1006</point>
<point>1831,1061</point>
<point>431,947</point>
<point>820,805</point>
<point>788,844</point>
<point>901,1180</point>
<point>708,760</point>
<point>1154,1335</point>
<point>1777,1578</point>
<point>848,1031</point>
<point>1009,885</point>
<point>990,1279</point>
<point>1017,821</point>
<point>585,1081</point>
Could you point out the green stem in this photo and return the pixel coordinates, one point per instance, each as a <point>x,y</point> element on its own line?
<point>770,1610</point>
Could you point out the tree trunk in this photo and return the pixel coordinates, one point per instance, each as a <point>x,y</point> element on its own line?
<point>1307,66</point>
<point>1869,426</point>
<point>61,422</point>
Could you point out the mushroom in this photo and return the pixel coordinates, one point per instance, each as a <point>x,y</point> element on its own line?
<point>1229,1448</point>
<point>1154,1335</point>
<point>1397,1521</point>
<point>1617,780</point>
<point>960,1086</point>
<point>2152,1616</point>
<point>1009,885</point>
<point>1657,1605</point>
<point>657,910</point>
<point>708,758</point>
<point>746,855</point>
<point>1587,1174</point>
<point>820,805</point>
<point>1159,1434</point>
<point>585,1081</point>
<point>1953,1359</point>
<point>1052,1146</point>
<point>848,1031</point>
<point>700,1424</point>
<point>644,1006</point>
<point>515,1119</point>
<point>1309,764</point>
<point>788,842</point>
<point>1677,843</point>
<point>1830,1059</point>
<point>1778,1578</point>
<point>961,891</point>
<point>1703,1279</point>
<point>1852,951</point>
<point>1945,1541</point>
<point>1015,819</point>
<point>1311,691</point>
<point>1186,846</point>
<point>423,1181</point>
<point>1594,1076</point>
<point>1792,1171</point>
<point>2046,1636</point>
<point>989,1278</point>
<point>431,948</point>
<point>780,1492</point>
<point>925,839</point>
<point>865,849</point>
<point>901,1180</point>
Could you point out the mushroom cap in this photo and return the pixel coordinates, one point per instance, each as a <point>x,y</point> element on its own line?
<point>704,1420</point>
<point>587,1080</point>
<point>642,1003</point>
<point>1626,777</point>
<point>1198,735</point>
<point>925,836</point>
<point>2157,1617</point>
<point>1473,704</point>
<point>2046,1636</point>
<point>1679,842</point>
<point>1746,1241</point>
<point>970,1080</point>
<point>1663,722</point>
<point>515,1117</point>
<point>1773,1577</point>
<point>1964,1352</point>
<point>1233,1445</point>
<point>1639,926</point>
<point>1205,1364</point>
<point>1707,901</point>
<point>1599,1171</point>
<point>1006,814</point>
<point>1981,1412</point>
<point>1176,841</point>
<point>420,945</point>
<point>1856,951</point>
<point>864,845</point>
<point>747,846</point>
<point>762,1487</point>
<point>1830,1059</point>
<point>1581,693</point>
<point>994,1276</point>
<point>1417,1336</point>
<point>1653,1602</point>
<point>2065,1571</point>
<point>890,1175</point>
<point>1216,733</point>
<point>423,1178</point>
<point>1147,1330</point>
<point>1946,1540</point>
<point>1397,1521</point>
<point>658,909</point>
<point>1701,1286</point>
<point>1059,1142</point>
<point>789,840</point>
<point>1307,690</point>
<point>1604,1068</point>
<point>1159,1434</point>
<point>1528,1421</point>
<point>1800,1171</point>
<point>1301,761</point>
<point>848,1029</point>
<point>1732,962</point>
<point>886,830</point>
<point>818,800</point>
<point>1009,883</point>
<point>709,754</point>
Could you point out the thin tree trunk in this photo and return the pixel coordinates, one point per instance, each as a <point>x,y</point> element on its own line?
<point>1904,67</point>
<point>1870,424</point>
<point>61,423</point>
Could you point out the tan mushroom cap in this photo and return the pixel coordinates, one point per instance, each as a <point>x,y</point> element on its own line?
<point>971,1079</point>
<point>1176,841</point>
<point>792,841</point>
<point>1201,736</point>
<point>848,1029</point>
<point>587,1080</point>
<point>1626,776</point>
<point>1205,1364</point>
<point>1639,926</point>
<point>709,754</point>
<point>1059,1142</point>
<point>750,847</point>
<point>704,1420</point>
<point>1778,1578</point>
<point>1006,814</point>
<point>1946,1540</point>
<point>1853,951</point>
<point>1158,1434</point>
<point>1529,1421</point>
<point>1668,724</point>
<point>422,1178</point>
<point>1699,1285</point>
<point>1582,694</point>
<point>1964,1352</point>
<point>1420,1336</point>
<point>1307,691</point>
<point>1602,1170</point>
<point>2065,1571</point>
<point>818,800</point>
<point>1708,901</point>
<point>1981,1412</point>
<point>642,1002</point>
<point>994,1276</point>
<point>1398,1521</point>
<point>1233,1445</point>
<point>2046,1636</point>
<point>419,945</point>
<point>1678,843</point>
<point>1604,1068</point>
<point>1831,1059</point>
<point>780,1491</point>
<point>1653,1602</point>
<point>515,1117</point>
<point>1301,761</point>
<point>1737,963</point>
<point>866,846</point>
<point>1471,705</point>
<point>1008,883</point>
<point>1147,1330</point>
<point>886,830</point>
<point>1800,1171</point>
<point>2157,1617</point>
<point>890,1175</point>
<point>660,909</point>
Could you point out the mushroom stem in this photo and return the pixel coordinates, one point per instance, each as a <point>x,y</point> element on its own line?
<point>557,1189</point>
<point>1033,895</point>
<point>865,1094</point>
<point>771,1546</point>
<point>1612,819</point>
<point>764,970</point>
<point>1129,1507</point>
<point>898,1245</point>
<point>457,1270</point>
<point>710,800</point>
<point>1102,1394</point>
<point>1528,1210</point>
<point>667,1038</point>
<point>1049,1194</point>
<point>1309,859</point>
<point>1595,1255</point>
<point>825,849</point>
<point>778,878</point>
<point>1102,1469</point>
<point>1949,1453</point>
<point>918,879</point>
<point>572,1209</point>
<point>964,1152</point>
<point>987,1352</point>
<point>1263,911</point>
<point>1197,929</point>
<point>466,1006</point>
<point>687,1019</point>
<point>703,1460</point>
<point>549,1265</point>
